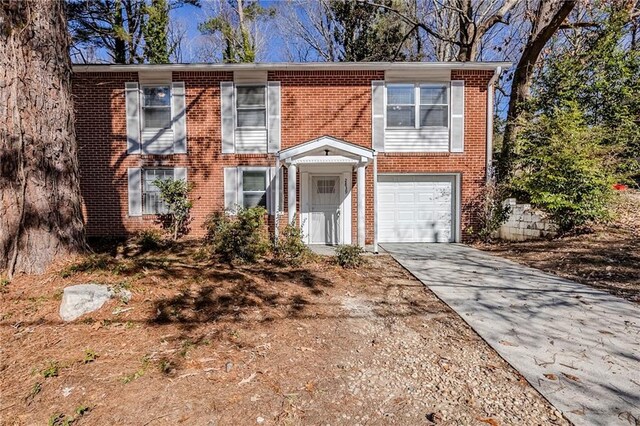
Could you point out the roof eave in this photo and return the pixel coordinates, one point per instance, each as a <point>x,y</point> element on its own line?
<point>292,66</point>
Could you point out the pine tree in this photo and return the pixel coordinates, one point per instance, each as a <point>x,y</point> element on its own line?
<point>40,198</point>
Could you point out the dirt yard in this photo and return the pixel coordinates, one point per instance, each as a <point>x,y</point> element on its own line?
<point>202,343</point>
<point>607,258</point>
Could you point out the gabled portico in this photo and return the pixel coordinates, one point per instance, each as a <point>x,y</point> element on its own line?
<point>325,167</point>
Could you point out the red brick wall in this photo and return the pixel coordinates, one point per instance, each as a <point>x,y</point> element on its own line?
<point>471,164</point>
<point>314,103</point>
<point>318,103</point>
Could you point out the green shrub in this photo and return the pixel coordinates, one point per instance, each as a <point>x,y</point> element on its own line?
<point>349,256</point>
<point>241,236</point>
<point>563,168</point>
<point>289,249</point>
<point>490,210</point>
<point>175,194</point>
<point>149,240</point>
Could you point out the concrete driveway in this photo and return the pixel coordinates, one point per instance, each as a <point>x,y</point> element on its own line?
<point>578,346</point>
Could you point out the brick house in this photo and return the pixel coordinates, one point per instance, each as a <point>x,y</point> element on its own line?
<point>381,152</point>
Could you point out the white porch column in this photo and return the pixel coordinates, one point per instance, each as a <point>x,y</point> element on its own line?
<point>375,203</point>
<point>292,176</point>
<point>361,204</point>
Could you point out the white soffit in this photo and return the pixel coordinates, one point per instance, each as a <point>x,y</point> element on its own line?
<point>435,74</point>
<point>154,77</point>
<point>250,76</point>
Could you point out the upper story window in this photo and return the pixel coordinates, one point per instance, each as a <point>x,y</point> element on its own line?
<point>417,105</point>
<point>434,105</point>
<point>254,188</point>
<point>251,106</point>
<point>156,107</point>
<point>152,204</point>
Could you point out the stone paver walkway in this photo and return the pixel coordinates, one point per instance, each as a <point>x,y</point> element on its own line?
<point>578,346</point>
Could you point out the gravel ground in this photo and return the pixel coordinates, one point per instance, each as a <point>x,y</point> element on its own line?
<point>205,344</point>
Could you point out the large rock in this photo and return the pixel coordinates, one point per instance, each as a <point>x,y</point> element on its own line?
<point>78,300</point>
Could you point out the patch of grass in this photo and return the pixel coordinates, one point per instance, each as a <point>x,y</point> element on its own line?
<point>91,263</point>
<point>165,365</point>
<point>201,254</point>
<point>61,419</point>
<point>51,370</point>
<point>89,356</point>
<point>128,378</point>
<point>4,284</point>
<point>81,410</point>
<point>187,345</point>
<point>35,389</point>
<point>57,295</point>
<point>122,285</point>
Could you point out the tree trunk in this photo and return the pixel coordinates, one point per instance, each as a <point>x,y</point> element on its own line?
<point>548,18</point>
<point>40,198</point>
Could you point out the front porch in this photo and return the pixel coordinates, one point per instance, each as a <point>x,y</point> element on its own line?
<point>324,168</point>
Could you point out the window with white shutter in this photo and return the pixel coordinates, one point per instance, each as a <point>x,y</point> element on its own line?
<point>251,107</point>
<point>419,117</point>
<point>151,201</point>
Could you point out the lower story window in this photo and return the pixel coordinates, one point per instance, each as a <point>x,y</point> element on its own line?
<point>254,188</point>
<point>152,204</point>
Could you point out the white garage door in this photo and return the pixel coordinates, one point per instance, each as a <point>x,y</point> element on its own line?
<point>416,208</point>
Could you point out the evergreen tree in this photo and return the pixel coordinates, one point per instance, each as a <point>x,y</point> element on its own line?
<point>368,33</point>
<point>40,201</point>
<point>603,80</point>
<point>155,28</point>
<point>232,23</point>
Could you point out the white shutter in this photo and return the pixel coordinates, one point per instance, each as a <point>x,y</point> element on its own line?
<point>227,110</point>
<point>273,91</point>
<point>135,191</point>
<point>230,188</point>
<point>377,112</point>
<point>271,191</point>
<point>180,173</point>
<point>179,118</point>
<point>457,116</point>
<point>132,106</point>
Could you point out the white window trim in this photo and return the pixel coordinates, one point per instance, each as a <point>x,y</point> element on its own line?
<point>417,104</point>
<point>143,192</point>
<point>235,107</point>
<point>240,179</point>
<point>142,107</point>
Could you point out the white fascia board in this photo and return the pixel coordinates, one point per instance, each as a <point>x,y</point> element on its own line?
<point>325,142</point>
<point>291,66</point>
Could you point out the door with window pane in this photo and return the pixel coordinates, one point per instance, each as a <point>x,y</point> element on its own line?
<point>325,210</point>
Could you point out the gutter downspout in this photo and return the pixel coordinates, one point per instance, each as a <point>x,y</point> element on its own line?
<point>490,108</point>
<point>277,200</point>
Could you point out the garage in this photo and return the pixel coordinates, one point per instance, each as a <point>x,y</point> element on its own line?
<point>416,208</point>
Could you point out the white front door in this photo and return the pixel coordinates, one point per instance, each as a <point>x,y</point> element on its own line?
<point>325,210</point>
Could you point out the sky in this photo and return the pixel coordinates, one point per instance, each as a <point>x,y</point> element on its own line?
<point>191,16</point>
